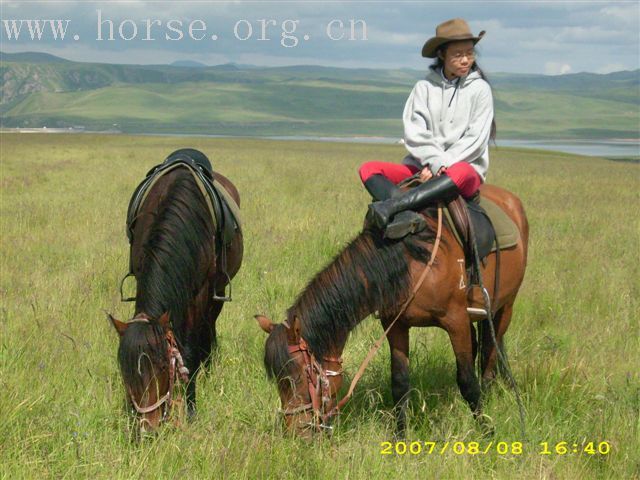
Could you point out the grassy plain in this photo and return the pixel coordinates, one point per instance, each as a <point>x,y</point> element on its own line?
<point>573,342</point>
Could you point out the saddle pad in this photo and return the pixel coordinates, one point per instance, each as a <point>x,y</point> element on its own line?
<point>229,201</point>
<point>201,186</point>
<point>223,209</point>
<point>506,231</point>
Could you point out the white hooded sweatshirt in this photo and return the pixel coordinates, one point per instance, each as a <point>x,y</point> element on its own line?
<point>448,121</point>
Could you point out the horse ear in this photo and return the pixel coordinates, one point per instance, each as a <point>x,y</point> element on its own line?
<point>265,324</point>
<point>120,327</point>
<point>163,321</point>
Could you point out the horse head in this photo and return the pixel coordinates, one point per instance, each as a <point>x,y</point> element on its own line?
<point>149,362</point>
<point>307,386</point>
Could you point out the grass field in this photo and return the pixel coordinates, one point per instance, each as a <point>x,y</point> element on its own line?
<point>574,341</point>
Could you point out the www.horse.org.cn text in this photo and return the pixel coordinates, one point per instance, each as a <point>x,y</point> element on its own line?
<point>286,31</point>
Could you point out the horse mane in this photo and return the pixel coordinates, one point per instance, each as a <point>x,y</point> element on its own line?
<point>176,254</point>
<point>370,274</point>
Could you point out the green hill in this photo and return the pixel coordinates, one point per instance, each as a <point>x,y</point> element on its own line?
<point>43,90</point>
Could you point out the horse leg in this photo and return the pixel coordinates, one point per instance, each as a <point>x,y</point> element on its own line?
<point>209,344</point>
<point>460,336</point>
<point>398,338</point>
<point>191,357</point>
<point>474,342</point>
<point>489,357</point>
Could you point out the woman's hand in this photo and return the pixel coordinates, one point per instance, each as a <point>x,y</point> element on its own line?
<point>425,174</point>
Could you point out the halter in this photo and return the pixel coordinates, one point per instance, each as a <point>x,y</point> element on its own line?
<point>318,385</point>
<point>175,375</point>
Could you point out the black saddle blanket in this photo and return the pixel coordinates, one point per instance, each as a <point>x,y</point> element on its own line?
<point>483,229</point>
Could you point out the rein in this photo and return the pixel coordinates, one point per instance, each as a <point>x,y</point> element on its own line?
<point>317,377</point>
<point>181,373</point>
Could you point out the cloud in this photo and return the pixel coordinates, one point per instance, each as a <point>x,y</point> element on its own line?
<point>593,34</point>
<point>556,68</point>
<point>611,67</point>
<point>394,38</point>
<point>525,37</point>
<point>628,14</point>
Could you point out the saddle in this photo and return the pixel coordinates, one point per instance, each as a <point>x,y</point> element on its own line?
<point>480,227</point>
<point>482,219</point>
<point>224,210</point>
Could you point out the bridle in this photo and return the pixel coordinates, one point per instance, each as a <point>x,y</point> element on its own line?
<point>175,376</point>
<point>319,387</point>
<point>318,378</point>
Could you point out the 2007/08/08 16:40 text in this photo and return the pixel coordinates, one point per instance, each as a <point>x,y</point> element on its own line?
<point>501,448</point>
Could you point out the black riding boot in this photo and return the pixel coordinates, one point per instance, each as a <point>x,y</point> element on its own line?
<point>380,213</point>
<point>380,187</point>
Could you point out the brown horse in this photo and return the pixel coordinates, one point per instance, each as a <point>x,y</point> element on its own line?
<point>373,275</point>
<point>176,261</point>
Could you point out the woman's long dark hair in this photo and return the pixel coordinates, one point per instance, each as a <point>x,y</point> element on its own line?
<point>439,63</point>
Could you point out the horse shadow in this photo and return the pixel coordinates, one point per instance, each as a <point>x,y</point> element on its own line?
<point>434,392</point>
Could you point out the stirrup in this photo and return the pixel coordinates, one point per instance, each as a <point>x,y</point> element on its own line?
<point>224,298</point>
<point>122,298</point>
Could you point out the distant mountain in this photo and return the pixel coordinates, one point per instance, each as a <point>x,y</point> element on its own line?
<point>188,63</point>
<point>622,86</point>
<point>189,97</point>
<point>31,57</point>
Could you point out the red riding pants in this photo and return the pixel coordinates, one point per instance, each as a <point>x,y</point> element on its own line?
<point>462,173</point>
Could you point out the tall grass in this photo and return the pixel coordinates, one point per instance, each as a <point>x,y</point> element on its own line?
<point>573,341</point>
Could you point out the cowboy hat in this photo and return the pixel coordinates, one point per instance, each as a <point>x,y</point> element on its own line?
<point>449,31</point>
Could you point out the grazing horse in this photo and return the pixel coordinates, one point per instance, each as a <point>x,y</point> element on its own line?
<point>375,275</point>
<point>181,267</point>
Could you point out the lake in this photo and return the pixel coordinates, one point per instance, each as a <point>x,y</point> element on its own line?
<point>595,148</point>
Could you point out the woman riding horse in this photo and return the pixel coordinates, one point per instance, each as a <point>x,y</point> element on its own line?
<point>448,122</point>
<point>417,281</point>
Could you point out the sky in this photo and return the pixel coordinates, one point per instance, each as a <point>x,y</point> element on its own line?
<point>541,37</point>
